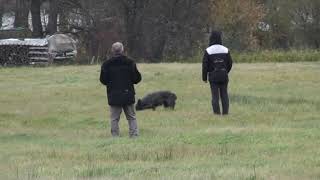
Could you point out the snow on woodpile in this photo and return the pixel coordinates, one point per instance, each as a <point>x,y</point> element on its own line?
<point>25,42</point>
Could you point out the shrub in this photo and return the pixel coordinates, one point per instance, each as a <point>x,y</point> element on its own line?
<point>261,56</point>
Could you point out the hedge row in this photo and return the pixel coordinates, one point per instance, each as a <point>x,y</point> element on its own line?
<point>263,56</point>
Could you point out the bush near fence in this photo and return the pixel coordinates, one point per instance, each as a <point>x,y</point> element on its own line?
<point>261,56</point>
<point>277,56</point>
<point>238,57</point>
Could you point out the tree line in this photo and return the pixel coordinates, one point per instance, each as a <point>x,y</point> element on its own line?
<point>156,30</point>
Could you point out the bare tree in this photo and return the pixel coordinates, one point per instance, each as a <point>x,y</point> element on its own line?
<point>53,16</point>
<point>306,17</point>
<point>133,14</point>
<point>1,14</point>
<point>21,13</point>
<point>36,18</point>
<point>239,22</point>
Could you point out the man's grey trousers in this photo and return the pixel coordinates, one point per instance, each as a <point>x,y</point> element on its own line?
<point>115,112</point>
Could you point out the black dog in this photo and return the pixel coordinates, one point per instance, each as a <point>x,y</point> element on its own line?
<point>152,100</point>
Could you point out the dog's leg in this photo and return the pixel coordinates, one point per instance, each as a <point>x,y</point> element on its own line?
<point>166,104</point>
<point>171,104</point>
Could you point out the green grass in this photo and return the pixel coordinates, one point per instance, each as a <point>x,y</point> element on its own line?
<point>54,125</point>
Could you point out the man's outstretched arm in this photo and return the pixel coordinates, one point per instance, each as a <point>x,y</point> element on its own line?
<point>136,75</point>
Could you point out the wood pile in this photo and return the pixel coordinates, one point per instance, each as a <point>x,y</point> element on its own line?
<point>15,52</point>
<point>38,54</point>
<point>14,55</point>
<point>32,51</point>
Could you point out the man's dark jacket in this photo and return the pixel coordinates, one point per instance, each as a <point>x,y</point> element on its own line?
<point>120,74</point>
<point>215,51</point>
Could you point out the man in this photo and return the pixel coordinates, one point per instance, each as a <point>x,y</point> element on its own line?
<point>120,74</point>
<point>216,65</point>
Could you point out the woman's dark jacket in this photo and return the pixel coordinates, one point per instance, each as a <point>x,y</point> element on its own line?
<point>120,74</point>
<point>215,51</point>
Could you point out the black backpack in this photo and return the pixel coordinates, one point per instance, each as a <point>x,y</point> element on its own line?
<point>219,73</point>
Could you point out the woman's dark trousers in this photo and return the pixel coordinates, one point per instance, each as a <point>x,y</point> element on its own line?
<point>220,91</point>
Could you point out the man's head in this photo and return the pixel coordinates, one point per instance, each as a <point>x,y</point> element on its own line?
<point>117,48</point>
<point>215,38</point>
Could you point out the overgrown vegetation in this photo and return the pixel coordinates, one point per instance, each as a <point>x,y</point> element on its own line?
<point>262,56</point>
<point>277,56</point>
<point>169,29</point>
<point>54,125</point>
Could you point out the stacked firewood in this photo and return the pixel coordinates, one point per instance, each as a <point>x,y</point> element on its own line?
<point>38,54</point>
<point>14,55</point>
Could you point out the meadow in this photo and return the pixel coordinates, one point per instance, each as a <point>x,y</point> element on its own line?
<point>54,124</point>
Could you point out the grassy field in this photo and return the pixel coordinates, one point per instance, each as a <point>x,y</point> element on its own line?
<point>54,125</point>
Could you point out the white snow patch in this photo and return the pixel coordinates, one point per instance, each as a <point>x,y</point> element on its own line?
<point>25,42</point>
<point>7,21</point>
